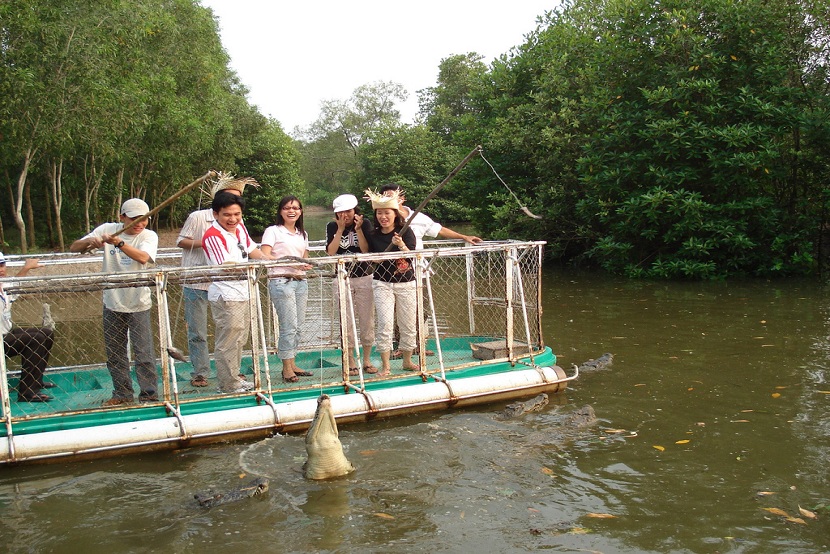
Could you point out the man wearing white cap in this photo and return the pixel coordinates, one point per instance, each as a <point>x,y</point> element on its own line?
<point>196,294</point>
<point>127,309</point>
<point>32,344</point>
<point>348,234</point>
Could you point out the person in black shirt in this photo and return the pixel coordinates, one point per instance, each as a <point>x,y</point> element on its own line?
<point>348,234</point>
<point>394,283</point>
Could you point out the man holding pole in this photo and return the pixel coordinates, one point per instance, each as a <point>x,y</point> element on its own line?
<point>128,247</point>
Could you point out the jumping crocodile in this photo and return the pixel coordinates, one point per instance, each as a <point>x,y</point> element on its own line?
<point>256,487</point>
<point>322,443</point>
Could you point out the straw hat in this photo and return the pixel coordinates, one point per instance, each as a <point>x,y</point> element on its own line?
<point>226,181</point>
<point>381,201</point>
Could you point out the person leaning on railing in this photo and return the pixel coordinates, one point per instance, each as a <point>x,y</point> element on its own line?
<point>196,294</point>
<point>127,309</point>
<point>287,285</point>
<point>32,344</point>
<point>227,242</point>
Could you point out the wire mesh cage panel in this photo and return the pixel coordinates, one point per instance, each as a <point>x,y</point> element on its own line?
<point>459,297</point>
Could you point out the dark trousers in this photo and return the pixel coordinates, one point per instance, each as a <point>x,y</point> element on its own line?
<point>32,344</point>
<point>119,327</point>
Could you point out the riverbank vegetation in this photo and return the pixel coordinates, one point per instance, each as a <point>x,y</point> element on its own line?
<point>656,139</point>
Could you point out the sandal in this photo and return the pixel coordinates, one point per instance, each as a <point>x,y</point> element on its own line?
<point>353,371</point>
<point>369,368</point>
<point>410,368</point>
<point>290,379</point>
<point>303,373</point>
<point>199,382</point>
<point>385,373</point>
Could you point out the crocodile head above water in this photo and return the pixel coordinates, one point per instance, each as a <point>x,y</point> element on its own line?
<point>322,443</point>
<point>581,417</point>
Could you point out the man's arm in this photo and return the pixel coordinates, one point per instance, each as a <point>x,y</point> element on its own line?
<point>28,265</point>
<point>447,233</point>
<point>85,244</point>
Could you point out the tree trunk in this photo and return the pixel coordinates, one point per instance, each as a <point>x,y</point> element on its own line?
<point>18,200</point>
<point>30,214</point>
<point>56,173</point>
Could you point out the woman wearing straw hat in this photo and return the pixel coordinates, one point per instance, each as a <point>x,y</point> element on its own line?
<point>394,282</point>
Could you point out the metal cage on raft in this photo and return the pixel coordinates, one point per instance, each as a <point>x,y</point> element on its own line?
<point>476,305</point>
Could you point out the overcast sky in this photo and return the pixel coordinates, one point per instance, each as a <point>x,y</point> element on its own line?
<point>293,54</point>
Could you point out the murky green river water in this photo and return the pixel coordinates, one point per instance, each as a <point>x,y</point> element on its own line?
<point>718,393</point>
<point>716,409</point>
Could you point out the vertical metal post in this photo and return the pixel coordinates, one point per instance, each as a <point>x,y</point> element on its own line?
<point>509,256</point>
<point>168,367</point>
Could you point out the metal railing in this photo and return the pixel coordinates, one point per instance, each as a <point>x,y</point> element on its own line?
<point>465,295</point>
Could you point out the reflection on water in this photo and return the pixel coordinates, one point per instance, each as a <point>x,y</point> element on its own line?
<point>718,392</point>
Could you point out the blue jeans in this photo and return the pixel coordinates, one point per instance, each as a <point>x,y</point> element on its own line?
<point>290,298</point>
<point>195,314</point>
<point>117,326</point>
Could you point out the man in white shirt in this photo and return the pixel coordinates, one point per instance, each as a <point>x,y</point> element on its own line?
<point>196,294</point>
<point>127,309</point>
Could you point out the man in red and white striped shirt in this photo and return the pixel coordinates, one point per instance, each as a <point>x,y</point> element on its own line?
<point>227,242</point>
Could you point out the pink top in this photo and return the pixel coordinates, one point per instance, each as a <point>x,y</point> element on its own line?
<point>285,243</point>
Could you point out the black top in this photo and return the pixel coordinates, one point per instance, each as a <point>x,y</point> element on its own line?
<point>392,271</point>
<point>349,245</point>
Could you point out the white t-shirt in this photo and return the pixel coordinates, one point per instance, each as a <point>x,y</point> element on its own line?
<point>126,299</point>
<point>422,225</point>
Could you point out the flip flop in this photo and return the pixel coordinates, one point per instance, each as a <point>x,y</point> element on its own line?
<point>370,369</point>
<point>384,373</point>
<point>302,373</point>
<point>292,379</point>
<point>411,368</point>
<point>353,371</point>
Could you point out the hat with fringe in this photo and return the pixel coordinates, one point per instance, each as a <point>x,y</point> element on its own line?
<point>226,181</point>
<point>389,200</point>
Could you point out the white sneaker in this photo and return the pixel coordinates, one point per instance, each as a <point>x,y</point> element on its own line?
<point>241,386</point>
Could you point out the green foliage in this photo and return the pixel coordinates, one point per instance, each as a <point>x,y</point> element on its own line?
<point>274,162</point>
<point>129,99</point>
<point>672,140</point>
<point>418,160</point>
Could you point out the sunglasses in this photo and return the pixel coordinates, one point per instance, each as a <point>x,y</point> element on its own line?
<point>242,249</point>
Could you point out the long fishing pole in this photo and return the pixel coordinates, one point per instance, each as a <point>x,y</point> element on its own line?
<point>436,190</point>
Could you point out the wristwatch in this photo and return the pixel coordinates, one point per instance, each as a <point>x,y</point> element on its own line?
<point>120,244</point>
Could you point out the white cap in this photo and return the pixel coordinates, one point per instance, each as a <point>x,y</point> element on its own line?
<point>2,258</point>
<point>134,207</point>
<point>344,202</point>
